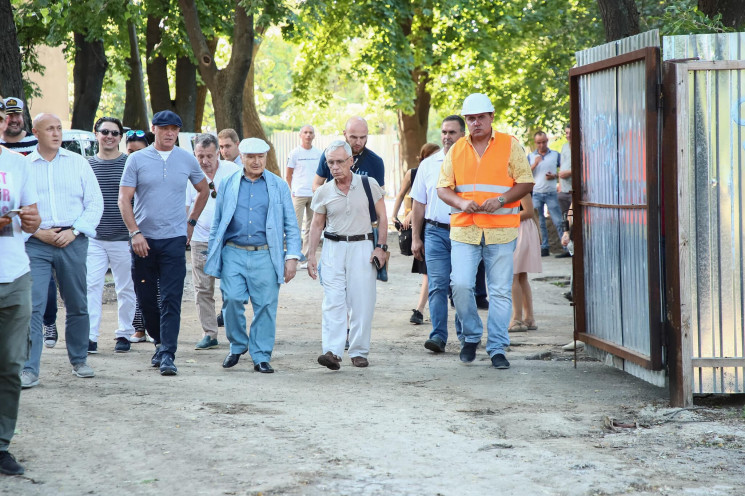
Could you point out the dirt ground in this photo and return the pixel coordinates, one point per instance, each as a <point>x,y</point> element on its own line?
<point>411,424</point>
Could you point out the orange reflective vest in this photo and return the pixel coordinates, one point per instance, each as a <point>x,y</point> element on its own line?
<point>479,180</point>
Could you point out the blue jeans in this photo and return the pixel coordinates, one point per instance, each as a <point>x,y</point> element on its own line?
<point>69,266</point>
<point>498,261</point>
<point>552,201</point>
<point>163,268</point>
<point>437,256</point>
<point>249,275</point>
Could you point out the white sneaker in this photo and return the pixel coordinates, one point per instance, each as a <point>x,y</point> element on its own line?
<point>571,346</point>
<point>29,379</point>
<point>82,370</point>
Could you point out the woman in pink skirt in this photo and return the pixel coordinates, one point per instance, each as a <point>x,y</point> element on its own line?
<point>527,258</point>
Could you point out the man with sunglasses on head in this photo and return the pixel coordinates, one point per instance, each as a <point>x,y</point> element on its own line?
<point>110,246</point>
<point>206,149</point>
<point>159,230</point>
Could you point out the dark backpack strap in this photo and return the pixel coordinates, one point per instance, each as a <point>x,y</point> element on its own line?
<point>370,204</point>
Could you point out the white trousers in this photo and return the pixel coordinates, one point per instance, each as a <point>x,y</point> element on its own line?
<point>348,280</point>
<point>101,255</point>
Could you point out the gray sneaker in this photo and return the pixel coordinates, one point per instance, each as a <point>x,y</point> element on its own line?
<point>82,370</point>
<point>29,379</point>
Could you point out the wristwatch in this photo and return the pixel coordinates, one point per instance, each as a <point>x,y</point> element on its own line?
<point>382,247</point>
<point>133,234</point>
<point>192,222</point>
<point>500,199</point>
<point>75,232</point>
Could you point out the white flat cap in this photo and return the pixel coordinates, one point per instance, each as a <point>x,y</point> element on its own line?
<point>253,145</point>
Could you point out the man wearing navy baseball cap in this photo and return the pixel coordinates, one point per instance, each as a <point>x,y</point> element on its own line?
<point>159,230</point>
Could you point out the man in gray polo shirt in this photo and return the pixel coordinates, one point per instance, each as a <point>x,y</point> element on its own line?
<point>159,230</point>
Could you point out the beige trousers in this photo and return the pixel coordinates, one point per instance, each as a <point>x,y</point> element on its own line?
<point>204,289</point>
<point>302,206</point>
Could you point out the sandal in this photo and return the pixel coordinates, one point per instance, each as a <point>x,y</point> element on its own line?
<point>517,326</point>
<point>530,324</point>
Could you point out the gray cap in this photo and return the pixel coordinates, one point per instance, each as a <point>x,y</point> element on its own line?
<point>253,145</point>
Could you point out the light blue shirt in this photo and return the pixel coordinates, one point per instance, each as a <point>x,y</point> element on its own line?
<point>159,190</point>
<point>550,163</point>
<point>68,192</point>
<point>248,226</point>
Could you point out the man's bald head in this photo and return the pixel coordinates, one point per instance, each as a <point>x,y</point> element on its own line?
<point>355,132</point>
<point>307,135</point>
<point>48,130</point>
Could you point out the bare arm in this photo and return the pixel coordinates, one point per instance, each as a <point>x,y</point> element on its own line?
<point>417,225</point>
<point>451,198</point>
<point>316,226</point>
<point>528,210</point>
<point>318,182</point>
<point>405,188</point>
<point>138,242</point>
<point>288,176</point>
<point>565,174</point>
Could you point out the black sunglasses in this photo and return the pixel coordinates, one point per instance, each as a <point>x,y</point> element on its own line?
<point>106,132</point>
<point>213,193</point>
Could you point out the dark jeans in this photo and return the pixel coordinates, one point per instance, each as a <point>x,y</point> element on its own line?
<point>164,267</point>
<point>50,312</point>
<point>15,318</point>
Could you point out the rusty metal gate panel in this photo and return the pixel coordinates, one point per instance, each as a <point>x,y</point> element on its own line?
<point>616,125</point>
<point>705,159</point>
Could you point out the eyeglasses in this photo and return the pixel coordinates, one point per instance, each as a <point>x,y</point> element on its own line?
<point>213,193</point>
<point>106,132</point>
<point>139,134</point>
<point>334,163</point>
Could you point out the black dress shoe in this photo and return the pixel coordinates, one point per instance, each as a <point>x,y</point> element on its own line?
<point>264,368</point>
<point>231,360</point>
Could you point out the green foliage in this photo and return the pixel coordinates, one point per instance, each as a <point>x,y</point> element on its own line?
<point>678,17</point>
<point>517,53</point>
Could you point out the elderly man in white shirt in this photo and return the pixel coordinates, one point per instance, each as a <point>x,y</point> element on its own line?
<point>206,149</point>
<point>70,206</point>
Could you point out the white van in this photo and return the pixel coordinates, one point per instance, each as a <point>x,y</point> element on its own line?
<point>82,142</point>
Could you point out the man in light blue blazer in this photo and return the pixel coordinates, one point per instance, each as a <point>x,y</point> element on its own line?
<point>254,218</point>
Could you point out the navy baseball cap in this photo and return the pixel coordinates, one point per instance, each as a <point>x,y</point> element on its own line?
<point>167,118</point>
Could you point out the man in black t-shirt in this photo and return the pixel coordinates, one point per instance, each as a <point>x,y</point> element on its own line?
<point>365,161</point>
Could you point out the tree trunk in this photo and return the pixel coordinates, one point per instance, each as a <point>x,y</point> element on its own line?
<point>202,92</point>
<point>412,128</point>
<point>157,67</point>
<point>226,85</point>
<point>185,104</point>
<point>88,74</point>
<point>733,11</point>
<point>252,122</point>
<point>11,82</point>
<point>620,18</point>
<point>135,103</point>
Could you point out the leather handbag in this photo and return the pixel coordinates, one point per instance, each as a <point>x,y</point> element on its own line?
<point>383,269</point>
<point>404,238</point>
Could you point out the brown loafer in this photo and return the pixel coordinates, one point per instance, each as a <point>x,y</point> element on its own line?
<point>329,360</point>
<point>360,361</point>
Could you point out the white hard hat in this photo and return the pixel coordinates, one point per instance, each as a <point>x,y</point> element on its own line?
<point>253,146</point>
<point>476,103</point>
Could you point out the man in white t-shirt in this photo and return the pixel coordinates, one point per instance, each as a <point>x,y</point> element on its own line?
<point>301,170</point>
<point>18,215</point>
<point>206,150</point>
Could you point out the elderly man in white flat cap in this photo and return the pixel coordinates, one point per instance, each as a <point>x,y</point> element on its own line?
<point>254,217</point>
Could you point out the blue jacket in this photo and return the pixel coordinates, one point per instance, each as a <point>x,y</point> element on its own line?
<point>281,223</point>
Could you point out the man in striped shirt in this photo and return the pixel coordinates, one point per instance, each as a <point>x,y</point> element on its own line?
<point>110,246</point>
<point>15,136</point>
<point>70,206</point>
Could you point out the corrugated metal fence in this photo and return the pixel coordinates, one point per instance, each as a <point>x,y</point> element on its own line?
<point>711,191</point>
